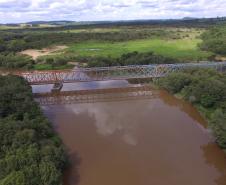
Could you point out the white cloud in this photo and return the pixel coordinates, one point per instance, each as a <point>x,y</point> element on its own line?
<point>86,10</point>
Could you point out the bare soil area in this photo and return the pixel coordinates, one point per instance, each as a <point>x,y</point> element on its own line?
<point>35,53</point>
<point>220,58</point>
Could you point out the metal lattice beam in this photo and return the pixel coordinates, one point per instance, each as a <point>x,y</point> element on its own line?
<point>113,73</point>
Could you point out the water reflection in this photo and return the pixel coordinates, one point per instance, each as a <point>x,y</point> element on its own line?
<point>108,124</point>
<point>159,141</point>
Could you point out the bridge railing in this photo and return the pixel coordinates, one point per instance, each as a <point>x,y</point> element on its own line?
<point>114,73</point>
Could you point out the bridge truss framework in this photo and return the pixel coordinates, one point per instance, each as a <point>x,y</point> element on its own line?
<point>113,73</point>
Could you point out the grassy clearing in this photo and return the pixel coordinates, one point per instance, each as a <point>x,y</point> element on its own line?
<point>182,49</point>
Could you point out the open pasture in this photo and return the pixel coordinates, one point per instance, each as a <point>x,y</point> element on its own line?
<point>182,49</point>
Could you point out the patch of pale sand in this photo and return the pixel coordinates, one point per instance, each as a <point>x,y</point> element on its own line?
<point>220,58</point>
<point>77,64</point>
<point>35,53</point>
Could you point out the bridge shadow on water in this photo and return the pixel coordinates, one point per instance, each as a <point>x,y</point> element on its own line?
<point>95,95</point>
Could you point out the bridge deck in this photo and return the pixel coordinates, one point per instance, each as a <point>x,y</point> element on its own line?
<point>113,73</point>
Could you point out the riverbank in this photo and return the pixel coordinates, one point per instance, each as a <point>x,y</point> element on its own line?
<point>206,90</point>
<point>31,152</point>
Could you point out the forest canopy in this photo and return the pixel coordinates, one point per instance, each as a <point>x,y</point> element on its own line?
<point>214,40</point>
<point>30,152</point>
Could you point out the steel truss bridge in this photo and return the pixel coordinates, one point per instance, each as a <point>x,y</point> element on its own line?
<point>95,95</point>
<point>106,73</point>
<point>113,73</point>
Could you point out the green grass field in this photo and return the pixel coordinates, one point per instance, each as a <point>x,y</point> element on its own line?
<point>182,49</point>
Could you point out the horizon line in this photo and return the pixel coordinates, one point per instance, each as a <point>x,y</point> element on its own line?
<point>118,20</point>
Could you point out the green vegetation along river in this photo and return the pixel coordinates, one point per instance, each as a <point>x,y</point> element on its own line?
<point>158,141</point>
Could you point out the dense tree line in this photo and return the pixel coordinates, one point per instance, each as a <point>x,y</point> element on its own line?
<point>10,44</point>
<point>133,58</point>
<point>207,90</point>
<point>13,61</point>
<point>214,40</point>
<point>30,151</point>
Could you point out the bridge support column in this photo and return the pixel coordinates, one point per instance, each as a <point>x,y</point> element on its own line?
<point>57,86</point>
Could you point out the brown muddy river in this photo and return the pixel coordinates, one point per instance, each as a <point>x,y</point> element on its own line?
<point>159,141</point>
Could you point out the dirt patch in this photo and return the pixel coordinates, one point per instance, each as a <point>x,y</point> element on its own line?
<point>78,64</point>
<point>35,53</point>
<point>220,58</point>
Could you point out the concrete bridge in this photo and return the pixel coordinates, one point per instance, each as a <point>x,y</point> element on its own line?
<point>113,73</point>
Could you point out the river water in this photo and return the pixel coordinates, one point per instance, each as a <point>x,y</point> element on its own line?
<point>158,141</point>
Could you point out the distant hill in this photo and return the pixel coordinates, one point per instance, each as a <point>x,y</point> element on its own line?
<point>189,18</point>
<point>63,22</point>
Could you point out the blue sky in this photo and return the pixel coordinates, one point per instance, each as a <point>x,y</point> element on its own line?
<point>14,11</point>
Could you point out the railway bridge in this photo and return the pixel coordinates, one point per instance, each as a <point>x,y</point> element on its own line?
<point>113,73</point>
<point>105,73</point>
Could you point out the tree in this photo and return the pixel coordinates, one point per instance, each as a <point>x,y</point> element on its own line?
<point>175,82</point>
<point>207,92</point>
<point>49,174</point>
<point>218,125</point>
<point>17,45</point>
<point>14,178</point>
<point>30,150</point>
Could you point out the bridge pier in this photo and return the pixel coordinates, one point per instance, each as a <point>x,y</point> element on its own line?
<point>57,86</point>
